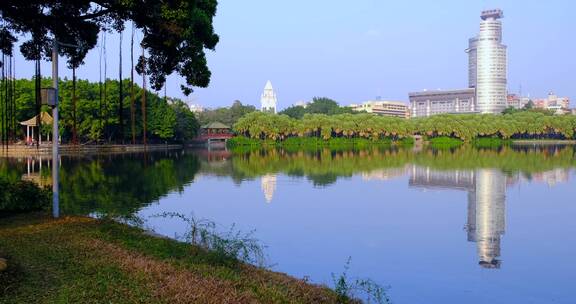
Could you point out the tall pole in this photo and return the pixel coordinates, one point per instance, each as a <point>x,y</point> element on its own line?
<point>55,167</point>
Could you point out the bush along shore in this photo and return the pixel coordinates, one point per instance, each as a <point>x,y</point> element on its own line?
<point>486,129</point>
<point>76,259</point>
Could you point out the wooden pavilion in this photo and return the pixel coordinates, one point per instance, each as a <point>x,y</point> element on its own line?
<point>215,132</point>
<point>32,123</point>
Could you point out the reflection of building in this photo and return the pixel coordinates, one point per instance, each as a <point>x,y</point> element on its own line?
<point>268,186</point>
<point>490,201</point>
<point>486,205</point>
<point>34,171</point>
<point>552,177</point>
<point>383,108</point>
<point>428,103</point>
<point>384,174</point>
<point>269,100</point>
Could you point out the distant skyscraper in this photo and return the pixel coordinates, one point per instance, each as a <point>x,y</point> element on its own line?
<point>269,99</point>
<point>472,62</point>
<point>491,64</point>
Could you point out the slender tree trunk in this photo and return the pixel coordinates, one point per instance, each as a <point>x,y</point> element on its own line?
<point>74,117</point>
<point>2,98</point>
<point>38,99</point>
<point>144,122</point>
<point>14,98</point>
<point>132,110</point>
<point>105,101</point>
<point>120,96</point>
<point>101,130</point>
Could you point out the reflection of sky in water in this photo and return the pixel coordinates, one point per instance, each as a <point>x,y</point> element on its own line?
<point>454,236</point>
<point>409,228</point>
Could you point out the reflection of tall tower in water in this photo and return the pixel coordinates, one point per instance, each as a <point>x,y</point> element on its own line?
<point>486,205</point>
<point>268,184</point>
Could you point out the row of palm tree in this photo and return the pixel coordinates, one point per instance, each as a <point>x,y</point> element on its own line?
<point>522,125</point>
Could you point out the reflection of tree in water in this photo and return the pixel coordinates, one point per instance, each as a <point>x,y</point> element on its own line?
<point>324,167</point>
<point>116,185</point>
<point>121,185</point>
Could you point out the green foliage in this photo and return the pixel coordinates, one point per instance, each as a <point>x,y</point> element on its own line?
<point>228,116</point>
<point>444,142</point>
<point>319,105</point>
<point>166,121</point>
<point>22,196</point>
<point>489,142</point>
<point>228,248</point>
<point>349,290</point>
<point>175,33</point>
<point>294,112</point>
<point>465,127</point>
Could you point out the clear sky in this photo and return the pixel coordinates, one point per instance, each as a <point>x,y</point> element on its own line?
<point>353,51</point>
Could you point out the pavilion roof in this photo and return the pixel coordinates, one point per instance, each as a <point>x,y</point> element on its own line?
<point>45,119</point>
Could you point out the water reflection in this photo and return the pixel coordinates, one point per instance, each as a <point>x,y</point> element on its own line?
<point>122,185</point>
<point>486,220</point>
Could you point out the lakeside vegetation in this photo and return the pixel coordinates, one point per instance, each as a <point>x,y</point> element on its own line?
<point>167,119</point>
<point>318,105</point>
<point>463,127</point>
<point>84,260</point>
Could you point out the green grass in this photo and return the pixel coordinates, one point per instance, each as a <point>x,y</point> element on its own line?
<point>445,142</point>
<point>83,260</point>
<point>241,143</point>
<point>489,142</point>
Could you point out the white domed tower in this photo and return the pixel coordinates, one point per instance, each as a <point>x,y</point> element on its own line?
<point>268,99</point>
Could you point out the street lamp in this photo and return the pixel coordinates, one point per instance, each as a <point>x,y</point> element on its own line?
<point>55,133</point>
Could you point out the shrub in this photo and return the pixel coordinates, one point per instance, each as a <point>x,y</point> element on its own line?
<point>22,196</point>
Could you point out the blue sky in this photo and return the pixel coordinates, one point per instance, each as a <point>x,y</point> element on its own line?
<point>353,51</point>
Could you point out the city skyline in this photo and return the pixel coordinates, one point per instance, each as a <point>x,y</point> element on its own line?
<point>302,61</point>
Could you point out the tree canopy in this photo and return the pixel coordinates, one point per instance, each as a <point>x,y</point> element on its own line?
<point>521,125</point>
<point>228,116</point>
<point>319,105</point>
<point>175,32</point>
<point>168,120</point>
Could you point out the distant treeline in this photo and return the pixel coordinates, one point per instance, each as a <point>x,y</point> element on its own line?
<point>465,127</point>
<point>98,112</point>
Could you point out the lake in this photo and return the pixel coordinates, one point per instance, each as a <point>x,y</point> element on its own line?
<point>436,226</point>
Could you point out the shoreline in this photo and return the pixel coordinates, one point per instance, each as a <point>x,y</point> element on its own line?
<point>85,259</point>
<point>46,150</point>
<point>543,142</point>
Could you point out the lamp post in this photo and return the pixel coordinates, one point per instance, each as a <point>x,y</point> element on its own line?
<point>55,136</point>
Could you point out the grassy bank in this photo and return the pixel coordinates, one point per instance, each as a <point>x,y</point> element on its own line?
<point>312,143</point>
<point>84,260</point>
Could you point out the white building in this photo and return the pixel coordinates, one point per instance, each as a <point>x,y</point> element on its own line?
<point>269,100</point>
<point>383,108</point>
<point>491,64</point>
<point>196,108</point>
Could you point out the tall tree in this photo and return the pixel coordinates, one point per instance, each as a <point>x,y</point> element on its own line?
<point>132,110</point>
<point>175,33</point>
<point>144,122</point>
<point>120,95</point>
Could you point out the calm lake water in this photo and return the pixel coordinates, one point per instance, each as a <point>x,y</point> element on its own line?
<point>456,226</point>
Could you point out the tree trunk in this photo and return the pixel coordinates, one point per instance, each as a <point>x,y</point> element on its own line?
<point>38,100</point>
<point>74,120</point>
<point>144,127</point>
<point>120,96</point>
<point>132,110</point>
